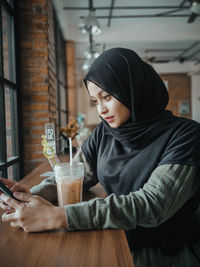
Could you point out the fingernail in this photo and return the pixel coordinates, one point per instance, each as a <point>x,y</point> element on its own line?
<point>16,194</point>
<point>3,196</point>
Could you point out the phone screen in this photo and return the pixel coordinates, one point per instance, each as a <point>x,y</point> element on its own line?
<point>4,189</point>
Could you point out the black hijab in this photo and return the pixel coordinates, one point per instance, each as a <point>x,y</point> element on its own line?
<point>125,157</point>
<point>123,74</point>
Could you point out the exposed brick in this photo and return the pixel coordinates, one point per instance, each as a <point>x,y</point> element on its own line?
<point>32,155</point>
<point>40,45</point>
<point>35,106</point>
<point>40,54</point>
<point>37,79</point>
<point>26,44</point>
<point>37,75</point>
<point>37,114</point>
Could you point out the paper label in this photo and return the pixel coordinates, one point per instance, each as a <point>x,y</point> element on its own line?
<point>50,135</point>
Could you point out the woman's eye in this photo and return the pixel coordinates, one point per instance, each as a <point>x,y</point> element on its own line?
<point>107,97</point>
<point>94,102</point>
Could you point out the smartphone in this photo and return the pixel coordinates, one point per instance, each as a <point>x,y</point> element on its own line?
<point>4,189</point>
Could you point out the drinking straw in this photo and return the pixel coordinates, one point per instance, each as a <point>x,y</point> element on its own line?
<point>75,158</point>
<point>78,140</point>
<point>70,150</point>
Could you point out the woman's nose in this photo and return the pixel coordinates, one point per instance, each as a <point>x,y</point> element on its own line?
<point>102,109</point>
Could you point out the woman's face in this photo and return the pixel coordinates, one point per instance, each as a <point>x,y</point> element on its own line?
<point>108,107</point>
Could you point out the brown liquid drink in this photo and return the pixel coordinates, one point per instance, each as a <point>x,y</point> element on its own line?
<point>69,192</point>
<point>69,181</point>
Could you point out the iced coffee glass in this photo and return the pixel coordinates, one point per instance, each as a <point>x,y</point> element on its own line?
<point>69,181</point>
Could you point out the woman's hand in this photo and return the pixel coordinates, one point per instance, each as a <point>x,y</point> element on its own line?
<point>14,187</point>
<point>35,214</point>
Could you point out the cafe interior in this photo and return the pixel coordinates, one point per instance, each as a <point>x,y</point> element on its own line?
<point>46,48</point>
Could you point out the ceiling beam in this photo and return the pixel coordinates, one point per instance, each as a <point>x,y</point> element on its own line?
<point>140,16</point>
<point>183,2</point>
<point>179,57</point>
<point>164,50</point>
<point>169,12</point>
<point>126,7</point>
<point>110,12</point>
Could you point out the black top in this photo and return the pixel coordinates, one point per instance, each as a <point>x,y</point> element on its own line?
<point>125,157</point>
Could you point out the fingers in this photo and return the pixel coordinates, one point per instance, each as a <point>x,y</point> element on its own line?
<point>8,182</point>
<point>10,201</point>
<point>14,224</point>
<point>19,188</point>
<point>8,216</point>
<point>4,206</point>
<point>26,197</point>
<point>15,218</point>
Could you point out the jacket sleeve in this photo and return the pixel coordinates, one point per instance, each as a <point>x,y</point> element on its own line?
<point>46,189</point>
<point>147,207</point>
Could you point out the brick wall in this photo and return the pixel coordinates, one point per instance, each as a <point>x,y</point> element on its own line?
<point>179,90</point>
<point>51,64</point>
<point>36,75</point>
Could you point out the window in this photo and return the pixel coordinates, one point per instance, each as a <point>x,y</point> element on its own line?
<point>61,82</point>
<point>9,123</point>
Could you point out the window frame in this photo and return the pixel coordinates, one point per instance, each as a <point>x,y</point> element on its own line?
<point>15,161</point>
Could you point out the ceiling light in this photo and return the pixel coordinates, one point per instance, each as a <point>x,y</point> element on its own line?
<point>195,7</point>
<point>87,63</point>
<point>90,57</point>
<point>90,23</point>
<point>92,54</point>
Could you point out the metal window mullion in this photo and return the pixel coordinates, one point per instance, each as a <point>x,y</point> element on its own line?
<point>13,95</point>
<point>19,167</point>
<point>57,80</point>
<point>3,153</point>
<point>9,83</point>
<point>14,134</point>
<point>9,163</point>
<point>3,157</point>
<point>7,7</point>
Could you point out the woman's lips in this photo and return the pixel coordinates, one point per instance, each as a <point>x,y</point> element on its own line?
<point>109,119</point>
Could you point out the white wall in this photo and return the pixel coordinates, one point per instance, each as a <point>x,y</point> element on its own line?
<point>195,97</point>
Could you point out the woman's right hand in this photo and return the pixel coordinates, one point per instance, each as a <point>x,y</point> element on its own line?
<point>14,187</point>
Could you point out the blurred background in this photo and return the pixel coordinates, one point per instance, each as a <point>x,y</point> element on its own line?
<point>47,46</point>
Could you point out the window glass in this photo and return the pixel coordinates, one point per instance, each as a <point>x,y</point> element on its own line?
<point>8,47</point>
<point>2,127</point>
<point>9,132</point>
<point>13,172</point>
<point>63,119</point>
<point>63,98</point>
<point>1,60</point>
<point>3,173</point>
<point>10,172</point>
<point>11,122</point>
<point>10,2</point>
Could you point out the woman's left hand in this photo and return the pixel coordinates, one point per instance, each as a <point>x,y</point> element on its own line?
<point>34,214</point>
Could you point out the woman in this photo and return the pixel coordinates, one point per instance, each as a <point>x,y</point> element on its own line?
<point>147,160</point>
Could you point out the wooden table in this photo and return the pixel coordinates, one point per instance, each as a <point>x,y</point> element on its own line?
<point>97,248</point>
